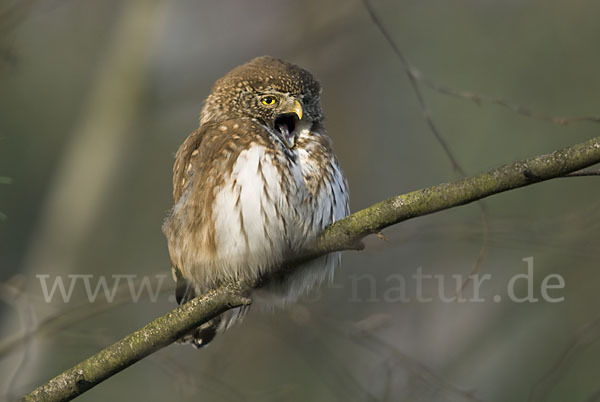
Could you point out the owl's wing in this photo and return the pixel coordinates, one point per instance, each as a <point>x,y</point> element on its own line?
<point>184,289</point>
<point>182,160</point>
<point>201,163</point>
<point>212,150</point>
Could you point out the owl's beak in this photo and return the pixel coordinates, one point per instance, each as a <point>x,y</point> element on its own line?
<point>297,108</point>
<point>287,122</point>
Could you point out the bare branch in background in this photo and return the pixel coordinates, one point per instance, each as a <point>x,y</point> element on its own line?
<point>415,85</point>
<point>480,98</point>
<point>4,180</point>
<point>414,81</point>
<point>362,332</point>
<point>581,341</point>
<point>11,293</point>
<point>417,76</point>
<point>66,317</point>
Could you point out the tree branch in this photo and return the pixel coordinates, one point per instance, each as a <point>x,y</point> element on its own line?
<point>154,336</point>
<point>345,234</point>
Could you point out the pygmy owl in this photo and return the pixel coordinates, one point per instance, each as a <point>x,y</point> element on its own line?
<point>252,186</point>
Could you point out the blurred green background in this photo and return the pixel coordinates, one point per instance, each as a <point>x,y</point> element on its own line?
<point>96,96</point>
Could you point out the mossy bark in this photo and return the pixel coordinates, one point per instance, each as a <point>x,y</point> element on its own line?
<point>156,335</point>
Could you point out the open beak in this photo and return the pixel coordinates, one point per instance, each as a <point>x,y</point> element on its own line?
<point>297,108</point>
<point>287,122</point>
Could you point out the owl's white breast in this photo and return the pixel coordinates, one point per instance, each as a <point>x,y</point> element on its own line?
<point>257,213</point>
<point>267,209</point>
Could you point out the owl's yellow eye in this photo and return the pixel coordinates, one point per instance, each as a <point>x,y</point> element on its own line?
<point>268,100</point>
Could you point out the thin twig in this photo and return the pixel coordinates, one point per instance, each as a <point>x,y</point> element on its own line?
<point>364,336</point>
<point>479,99</point>
<point>66,317</point>
<point>594,397</point>
<point>585,337</point>
<point>17,299</point>
<point>414,81</point>
<point>582,173</point>
<point>415,85</point>
<point>416,75</point>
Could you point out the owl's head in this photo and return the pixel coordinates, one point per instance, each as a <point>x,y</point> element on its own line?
<point>281,95</point>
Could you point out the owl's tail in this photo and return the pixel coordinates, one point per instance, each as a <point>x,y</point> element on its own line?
<point>206,332</point>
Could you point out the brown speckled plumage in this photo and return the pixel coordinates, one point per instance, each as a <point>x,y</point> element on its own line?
<point>252,185</point>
